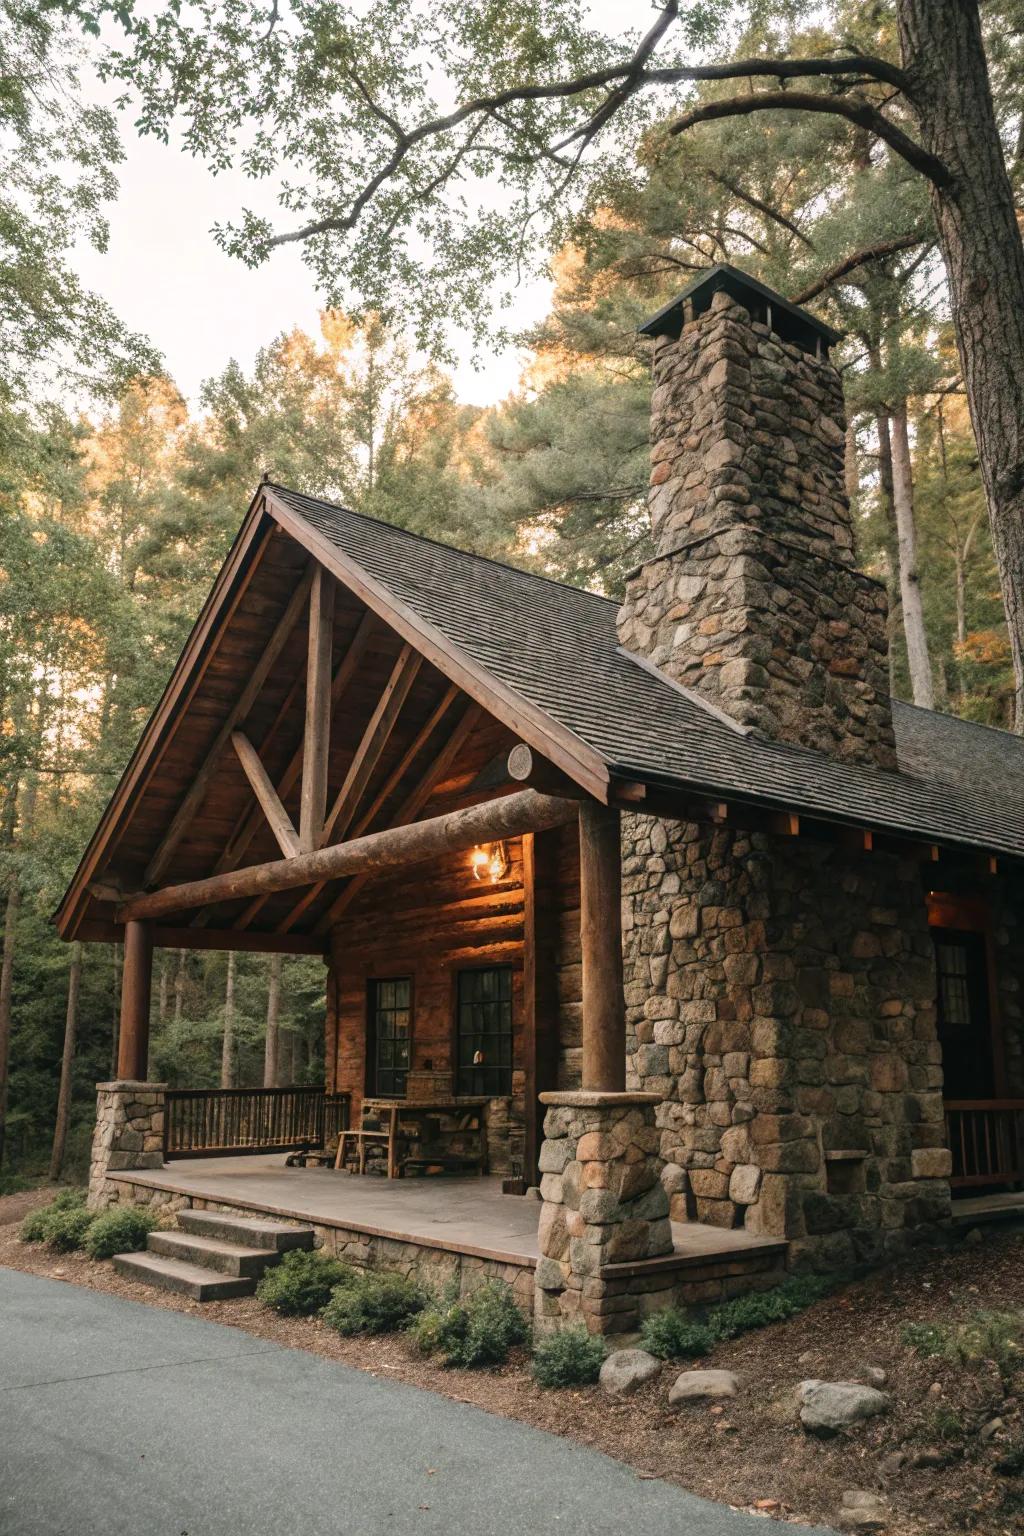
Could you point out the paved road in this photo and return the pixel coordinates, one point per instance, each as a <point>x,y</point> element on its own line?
<point>118,1419</point>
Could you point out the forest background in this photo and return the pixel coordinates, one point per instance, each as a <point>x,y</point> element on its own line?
<point>118,501</point>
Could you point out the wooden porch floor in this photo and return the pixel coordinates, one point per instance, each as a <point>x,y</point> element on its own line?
<point>459,1215</point>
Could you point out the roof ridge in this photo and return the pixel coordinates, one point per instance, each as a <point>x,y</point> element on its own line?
<point>941,714</point>
<point>424,538</point>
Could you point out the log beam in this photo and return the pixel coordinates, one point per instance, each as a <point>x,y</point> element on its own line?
<point>317,738</point>
<point>419,841</point>
<point>270,803</point>
<point>604,1011</point>
<point>244,703</point>
<point>374,739</point>
<point>136,986</point>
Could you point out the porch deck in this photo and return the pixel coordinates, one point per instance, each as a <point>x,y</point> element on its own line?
<point>456,1215</point>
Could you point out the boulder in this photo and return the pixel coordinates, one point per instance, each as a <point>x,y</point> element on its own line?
<point>861,1510</point>
<point>626,1369</point>
<point>703,1386</point>
<point>826,1407</point>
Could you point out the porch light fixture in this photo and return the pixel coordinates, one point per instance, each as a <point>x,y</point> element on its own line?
<point>490,861</point>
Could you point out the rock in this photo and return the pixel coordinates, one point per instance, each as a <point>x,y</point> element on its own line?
<point>933,1456</point>
<point>891,1465</point>
<point>863,1511</point>
<point>973,1238</point>
<point>992,1428</point>
<point>829,1406</point>
<point>626,1369</point>
<point>873,1375</point>
<point>703,1386</point>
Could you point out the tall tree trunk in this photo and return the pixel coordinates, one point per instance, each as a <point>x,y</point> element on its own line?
<point>165,978</point>
<point>918,659</point>
<point>115,1020</point>
<point>60,1129</point>
<point>227,1054</point>
<point>270,1051</point>
<point>12,909</point>
<point>179,986</point>
<point>944,57</point>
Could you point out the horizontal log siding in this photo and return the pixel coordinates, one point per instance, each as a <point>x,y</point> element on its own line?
<point>429,924</point>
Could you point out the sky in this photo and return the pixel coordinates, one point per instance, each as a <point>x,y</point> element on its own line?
<point>164,275</point>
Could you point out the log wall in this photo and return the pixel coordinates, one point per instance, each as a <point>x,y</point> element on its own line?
<point>429,923</point>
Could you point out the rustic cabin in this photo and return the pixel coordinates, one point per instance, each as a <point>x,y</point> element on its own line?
<point>664,948</point>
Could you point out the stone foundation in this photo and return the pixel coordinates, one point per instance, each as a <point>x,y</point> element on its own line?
<point>129,1133</point>
<point>603,1205</point>
<point>781,1003</point>
<point>434,1268</point>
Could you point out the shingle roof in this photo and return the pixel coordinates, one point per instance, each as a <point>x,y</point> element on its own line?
<point>556,647</point>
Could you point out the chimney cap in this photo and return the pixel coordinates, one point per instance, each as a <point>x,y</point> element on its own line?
<point>789,321</point>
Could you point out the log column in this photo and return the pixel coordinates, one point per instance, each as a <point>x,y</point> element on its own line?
<point>604,1219</point>
<point>604,1013</point>
<point>136,983</point>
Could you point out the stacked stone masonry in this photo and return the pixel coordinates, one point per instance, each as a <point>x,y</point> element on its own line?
<point>781,1003</point>
<point>752,598</point>
<point>603,1204</point>
<point>129,1133</point>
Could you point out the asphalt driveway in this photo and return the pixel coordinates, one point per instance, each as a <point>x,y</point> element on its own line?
<point>118,1419</point>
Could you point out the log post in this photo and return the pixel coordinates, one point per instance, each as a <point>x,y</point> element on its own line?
<point>604,1013</point>
<point>136,981</point>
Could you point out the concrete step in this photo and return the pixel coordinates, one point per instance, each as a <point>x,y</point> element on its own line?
<point>213,1253</point>
<point>247,1231</point>
<point>188,1279</point>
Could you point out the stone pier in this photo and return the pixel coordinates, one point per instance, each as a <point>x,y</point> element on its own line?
<point>604,1204</point>
<point>129,1134</point>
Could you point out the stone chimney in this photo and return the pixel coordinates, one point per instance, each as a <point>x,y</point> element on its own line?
<point>752,598</point>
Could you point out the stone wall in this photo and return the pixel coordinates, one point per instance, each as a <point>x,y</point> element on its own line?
<point>752,598</point>
<point>129,1133</point>
<point>781,1001</point>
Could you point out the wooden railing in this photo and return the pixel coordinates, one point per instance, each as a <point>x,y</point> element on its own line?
<point>215,1122</point>
<point>986,1138</point>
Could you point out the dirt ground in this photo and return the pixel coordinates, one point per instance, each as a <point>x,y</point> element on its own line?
<point>928,1457</point>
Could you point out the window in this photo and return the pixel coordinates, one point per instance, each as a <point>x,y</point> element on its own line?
<point>964,1026</point>
<point>485,1032</point>
<point>391,1031</point>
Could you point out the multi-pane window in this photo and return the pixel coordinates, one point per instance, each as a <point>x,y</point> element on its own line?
<point>964,1025</point>
<point>484,1030</point>
<point>391,1023</point>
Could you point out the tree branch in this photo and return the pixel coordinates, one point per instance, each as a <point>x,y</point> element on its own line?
<point>835,274</point>
<point>760,207</point>
<point>622,80</point>
<point>859,112</point>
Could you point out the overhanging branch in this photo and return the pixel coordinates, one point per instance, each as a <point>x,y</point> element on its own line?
<point>859,112</point>
<point>835,274</point>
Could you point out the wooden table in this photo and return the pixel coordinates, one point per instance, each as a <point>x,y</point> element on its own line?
<point>393,1111</point>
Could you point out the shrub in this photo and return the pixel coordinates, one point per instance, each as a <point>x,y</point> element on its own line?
<point>672,1335</point>
<point>763,1307</point>
<point>58,1222</point>
<point>124,1229</point>
<point>478,1331</point>
<point>302,1283</point>
<point>374,1303</point>
<point>571,1358</point>
<point>66,1228</point>
<point>994,1336</point>
<point>13,1184</point>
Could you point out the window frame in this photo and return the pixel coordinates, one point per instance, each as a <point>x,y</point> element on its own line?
<point>373,1067</point>
<point>462,1089</point>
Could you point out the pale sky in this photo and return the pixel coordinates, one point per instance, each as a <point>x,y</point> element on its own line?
<point>164,275</point>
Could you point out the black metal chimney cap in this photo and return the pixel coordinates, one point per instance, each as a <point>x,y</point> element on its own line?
<point>788,321</point>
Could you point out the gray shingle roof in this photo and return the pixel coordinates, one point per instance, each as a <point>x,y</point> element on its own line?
<point>959,783</point>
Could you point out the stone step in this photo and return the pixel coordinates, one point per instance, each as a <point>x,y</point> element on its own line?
<point>247,1231</point>
<point>188,1279</point>
<point>213,1253</point>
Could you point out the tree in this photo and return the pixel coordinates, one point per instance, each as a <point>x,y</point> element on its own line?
<point>382,179</point>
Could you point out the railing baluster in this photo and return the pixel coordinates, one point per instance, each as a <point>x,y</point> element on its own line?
<point>202,1121</point>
